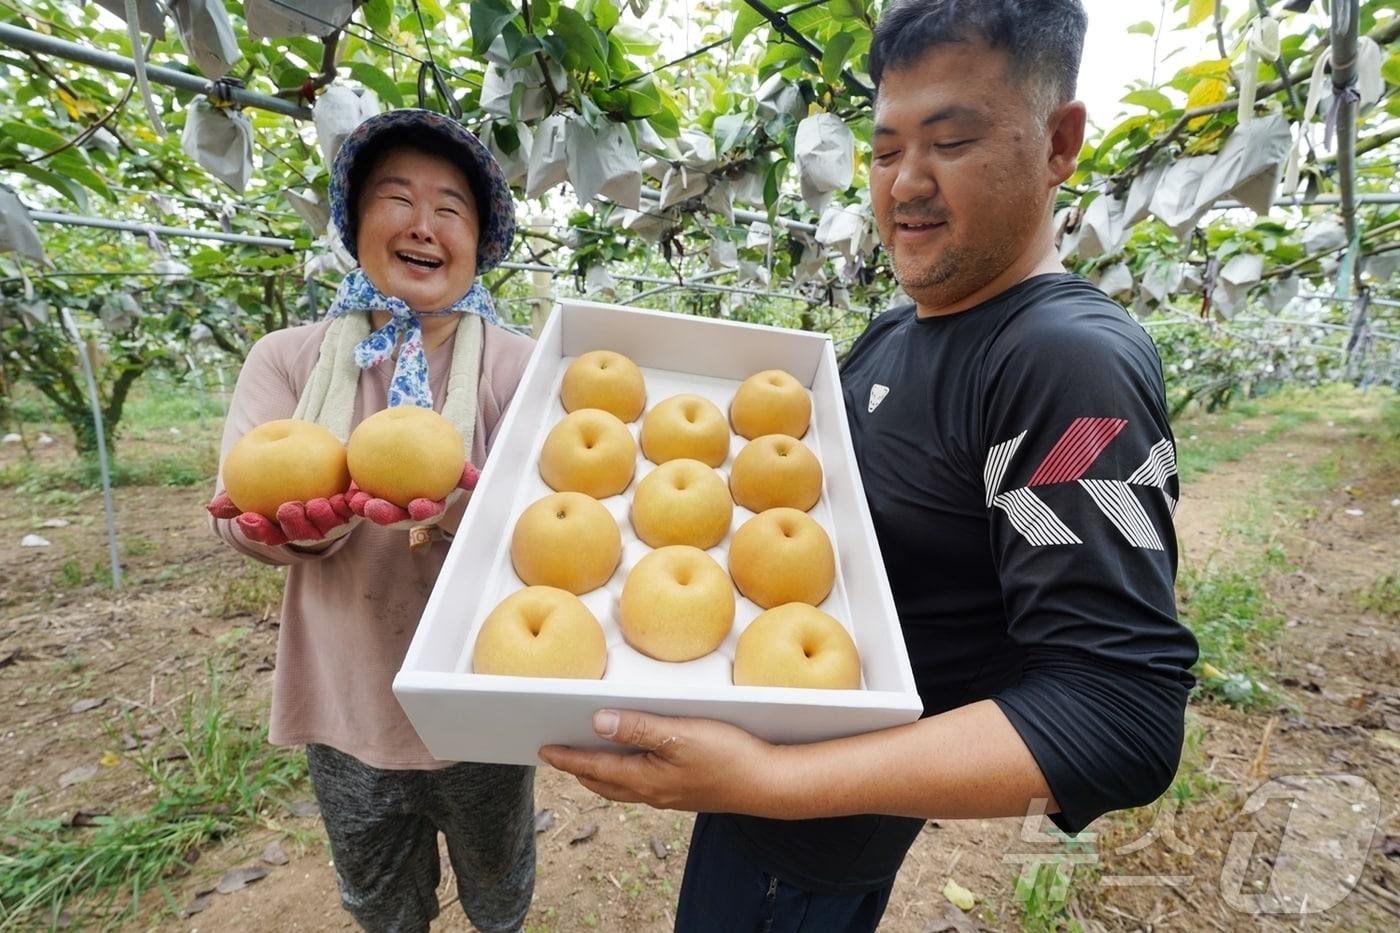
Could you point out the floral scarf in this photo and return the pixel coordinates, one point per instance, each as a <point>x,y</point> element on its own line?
<point>357,294</point>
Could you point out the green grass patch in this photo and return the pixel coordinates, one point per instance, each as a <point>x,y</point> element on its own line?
<point>213,774</point>
<point>54,483</point>
<point>1382,596</point>
<point>252,589</point>
<point>1231,616</point>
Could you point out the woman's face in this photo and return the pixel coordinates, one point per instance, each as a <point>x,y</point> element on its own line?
<point>418,229</point>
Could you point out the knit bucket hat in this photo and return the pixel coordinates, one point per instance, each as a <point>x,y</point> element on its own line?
<point>493,197</point>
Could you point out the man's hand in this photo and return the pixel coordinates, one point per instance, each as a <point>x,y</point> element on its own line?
<point>419,511</point>
<point>684,764</point>
<point>316,521</point>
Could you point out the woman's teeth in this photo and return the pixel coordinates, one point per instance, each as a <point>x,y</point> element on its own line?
<point>420,261</point>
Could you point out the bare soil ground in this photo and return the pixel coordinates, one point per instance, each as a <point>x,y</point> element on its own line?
<point>80,664</point>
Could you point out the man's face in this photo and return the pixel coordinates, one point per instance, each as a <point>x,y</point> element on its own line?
<point>958,177</point>
<point>418,229</point>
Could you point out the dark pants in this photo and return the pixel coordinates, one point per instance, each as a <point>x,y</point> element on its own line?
<point>383,828</point>
<point>724,889</point>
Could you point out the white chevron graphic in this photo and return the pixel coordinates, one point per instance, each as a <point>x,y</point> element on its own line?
<point>1171,503</point>
<point>1120,504</point>
<point>997,460</point>
<point>1160,464</point>
<point>1033,518</point>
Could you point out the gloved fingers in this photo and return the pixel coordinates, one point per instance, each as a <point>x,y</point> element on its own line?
<point>470,477</point>
<point>357,499</point>
<point>221,506</point>
<point>296,524</point>
<point>322,514</point>
<point>420,510</point>
<point>341,504</point>
<point>384,512</point>
<point>260,528</point>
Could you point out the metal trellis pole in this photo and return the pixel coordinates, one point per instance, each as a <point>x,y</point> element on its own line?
<point>30,41</point>
<point>71,326</point>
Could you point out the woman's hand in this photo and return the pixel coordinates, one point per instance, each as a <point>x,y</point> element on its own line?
<point>313,522</point>
<point>419,511</point>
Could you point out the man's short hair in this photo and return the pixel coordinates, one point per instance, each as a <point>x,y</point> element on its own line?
<point>1043,39</point>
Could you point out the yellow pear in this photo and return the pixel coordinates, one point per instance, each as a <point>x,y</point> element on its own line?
<point>284,461</point>
<point>607,380</point>
<point>771,402</point>
<point>406,453</point>
<point>776,471</point>
<point>589,451</point>
<point>782,556</point>
<point>796,645</point>
<point>566,540</point>
<point>677,604</point>
<point>682,502</point>
<point>541,631</point>
<point>685,427</point>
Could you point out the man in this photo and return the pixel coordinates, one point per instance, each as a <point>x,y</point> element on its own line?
<point>1012,435</point>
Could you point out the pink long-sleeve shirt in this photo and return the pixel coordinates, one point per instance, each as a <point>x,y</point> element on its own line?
<point>349,611</point>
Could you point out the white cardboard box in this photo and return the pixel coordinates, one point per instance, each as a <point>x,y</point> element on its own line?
<point>463,716</point>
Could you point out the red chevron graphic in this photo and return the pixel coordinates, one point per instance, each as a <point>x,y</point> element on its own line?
<point>1076,450</point>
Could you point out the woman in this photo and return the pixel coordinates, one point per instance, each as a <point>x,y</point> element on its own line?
<point>425,209</point>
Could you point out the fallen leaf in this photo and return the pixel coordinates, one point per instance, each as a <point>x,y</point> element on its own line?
<point>659,848</point>
<point>959,896</point>
<point>85,817</point>
<point>129,742</point>
<point>239,878</point>
<point>585,834</point>
<point>952,921</point>
<point>109,759</point>
<point>543,820</point>
<point>200,903</point>
<point>55,523</point>
<point>76,776</point>
<point>82,706</point>
<point>273,854</point>
<point>10,658</point>
<point>1387,738</point>
<point>1390,848</point>
<point>303,808</point>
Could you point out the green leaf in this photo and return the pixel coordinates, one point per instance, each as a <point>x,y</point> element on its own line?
<point>773,183</point>
<point>605,14</point>
<point>746,20</point>
<point>636,41</point>
<point>378,82</point>
<point>1120,132</point>
<point>1200,10</point>
<point>488,18</point>
<point>834,58</point>
<point>378,14</point>
<point>730,130</point>
<point>665,124</point>
<point>1144,28</point>
<point>1153,100</point>
<point>583,41</point>
<point>67,187</point>
<point>70,162</point>
<point>36,136</point>
<point>1391,69</point>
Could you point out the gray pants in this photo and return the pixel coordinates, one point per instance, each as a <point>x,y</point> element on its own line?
<point>383,828</point>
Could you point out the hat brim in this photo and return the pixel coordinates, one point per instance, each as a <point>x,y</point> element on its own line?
<point>498,213</point>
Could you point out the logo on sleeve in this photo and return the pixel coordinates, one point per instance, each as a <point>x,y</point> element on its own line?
<point>877,395</point>
<point>1067,462</point>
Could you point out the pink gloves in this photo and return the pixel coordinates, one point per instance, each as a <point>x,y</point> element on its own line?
<point>318,521</point>
<point>313,522</point>
<point>419,511</point>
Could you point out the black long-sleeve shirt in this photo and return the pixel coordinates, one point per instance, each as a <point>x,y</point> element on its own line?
<point>1021,475</point>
